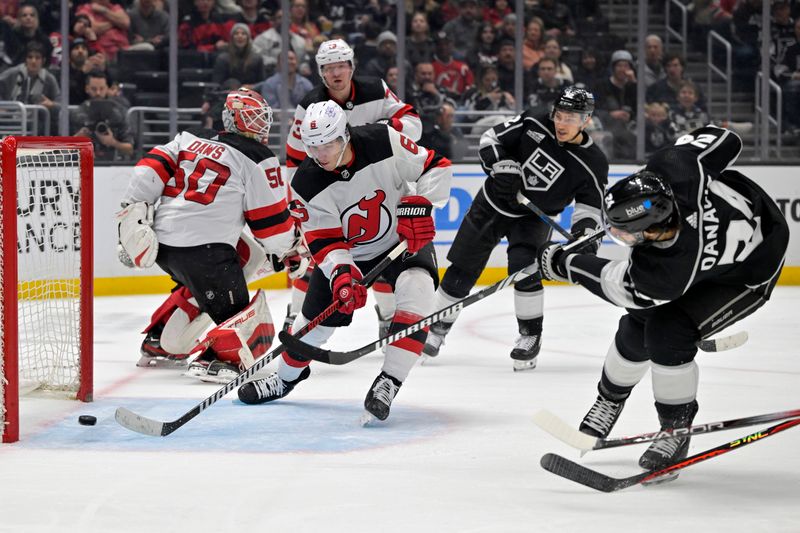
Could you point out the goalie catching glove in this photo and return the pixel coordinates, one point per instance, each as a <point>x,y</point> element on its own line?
<point>507,176</point>
<point>414,222</point>
<point>138,244</point>
<point>346,288</point>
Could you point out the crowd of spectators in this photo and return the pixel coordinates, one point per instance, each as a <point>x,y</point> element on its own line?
<point>460,59</point>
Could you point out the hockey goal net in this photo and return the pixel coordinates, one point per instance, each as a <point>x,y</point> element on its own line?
<point>46,266</point>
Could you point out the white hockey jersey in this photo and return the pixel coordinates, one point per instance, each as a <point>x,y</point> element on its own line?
<point>370,100</point>
<point>349,214</point>
<point>209,187</point>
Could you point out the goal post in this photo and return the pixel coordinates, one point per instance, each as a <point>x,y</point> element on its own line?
<point>46,296</point>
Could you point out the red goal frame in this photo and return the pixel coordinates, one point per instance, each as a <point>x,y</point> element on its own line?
<point>8,219</point>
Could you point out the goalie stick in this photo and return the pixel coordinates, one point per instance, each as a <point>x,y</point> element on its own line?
<point>332,357</point>
<point>148,426</point>
<point>707,345</point>
<point>585,443</point>
<point>571,470</point>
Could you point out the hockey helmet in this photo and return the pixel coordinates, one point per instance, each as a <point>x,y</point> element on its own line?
<point>247,113</point>
<point>573,99</point>
<point>334,51</point>
<point>642,201</point>
<point>323,127</point>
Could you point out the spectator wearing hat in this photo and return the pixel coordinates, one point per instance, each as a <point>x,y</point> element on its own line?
<point>616,103</point>
<point>453,77</point>
<point>508,28</point>
<point>507,65</point>
<point>387,56</point>
<point>240,61</point>
<point>149,29</point>
<point>81,62</point>
<point>28,29</point>
<point>82,29</point>
<point>110,22</point>
<point>463,29</point>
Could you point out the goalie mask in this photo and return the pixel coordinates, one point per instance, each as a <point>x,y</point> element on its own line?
<point>325,133</point>
<point>247,113</point>
<point>641,202</point>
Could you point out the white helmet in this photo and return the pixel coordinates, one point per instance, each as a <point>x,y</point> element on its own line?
<point>334,51</point>
<point>247,113</point>
<point>324,123</point>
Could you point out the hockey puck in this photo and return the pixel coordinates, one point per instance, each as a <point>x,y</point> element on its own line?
<point>87,420</point>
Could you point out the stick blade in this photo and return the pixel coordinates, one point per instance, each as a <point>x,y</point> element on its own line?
<point>587,477</point>
<point>563,431</point>
<point>138,423</point>
<point>296,345</point>
<point>723,343</point>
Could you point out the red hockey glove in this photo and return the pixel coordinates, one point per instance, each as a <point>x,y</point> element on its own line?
<point>414,222</point>
<point>346,288</point>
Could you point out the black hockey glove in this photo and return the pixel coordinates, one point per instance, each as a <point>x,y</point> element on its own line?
<point>508,180</point>
<point>552,262</point>
<point>586,226</point>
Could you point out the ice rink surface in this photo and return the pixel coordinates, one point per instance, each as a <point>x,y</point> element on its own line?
<point>458,454</point>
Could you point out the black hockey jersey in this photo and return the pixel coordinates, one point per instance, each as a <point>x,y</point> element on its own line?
<point>555,173</point>
<point>731,231</point>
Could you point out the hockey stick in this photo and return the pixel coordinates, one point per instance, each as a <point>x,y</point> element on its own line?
<point>571,470</point>
<point>340,358</point>
<point>552,223</point>
<point>707,345</point>
<point>148,426</point>
<point>585,443</point>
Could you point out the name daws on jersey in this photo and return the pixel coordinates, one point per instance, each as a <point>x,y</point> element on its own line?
<point>541,171</point>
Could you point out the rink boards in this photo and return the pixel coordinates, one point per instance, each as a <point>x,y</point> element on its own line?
<point>782,182</point>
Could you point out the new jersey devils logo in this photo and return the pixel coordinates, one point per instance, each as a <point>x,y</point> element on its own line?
<point>367,221</point>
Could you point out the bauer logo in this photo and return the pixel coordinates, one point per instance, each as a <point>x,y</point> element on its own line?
<point>541,171</point>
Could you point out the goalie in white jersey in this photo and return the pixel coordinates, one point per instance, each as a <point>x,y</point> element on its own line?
<point>185,208</point>
<point>364,100</point>
<point>355,193</point>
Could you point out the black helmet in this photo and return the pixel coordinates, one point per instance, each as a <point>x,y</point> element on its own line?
<point>575,100</point>
<point>639,202</point>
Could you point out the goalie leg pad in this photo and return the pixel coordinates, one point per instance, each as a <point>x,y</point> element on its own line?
<point>136,236</point>
<point>252,258</point>
<point>245,336</point>
<point>182,322</point>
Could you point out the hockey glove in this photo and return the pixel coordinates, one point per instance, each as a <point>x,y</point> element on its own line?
<point>394,123</point>
<point>507,180</point>
<point>586,226</point>
<point>414,222</point>
<point>346,288</point>
<point>552,262</point>
<point>138,243</point>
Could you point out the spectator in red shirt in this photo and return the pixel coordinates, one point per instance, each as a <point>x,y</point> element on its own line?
<point>203,28</point>
<point>452,76</point>
<point>110,22</point>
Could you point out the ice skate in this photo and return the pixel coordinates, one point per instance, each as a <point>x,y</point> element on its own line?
<point>602,416</point>
<point>199,366</point>
<point>379,398</point>
<point>663,453</point>
<point>153,356</point>
<point>270,388</point>
<point>221,372</point>
<point>525,352</point>
<point>435,340</point>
